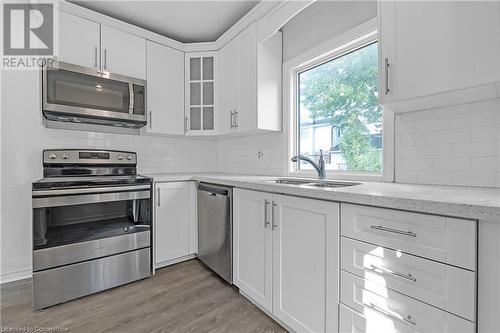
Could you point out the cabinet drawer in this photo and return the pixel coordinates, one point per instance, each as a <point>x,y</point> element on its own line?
<point>447,287</point>
<point>351,321</point>
<point>445,239</point>
<point>375,302</point>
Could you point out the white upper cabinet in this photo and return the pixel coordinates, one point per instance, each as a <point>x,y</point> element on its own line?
<point>123,53</point>
<point>253,71</point>
<point>227,101</point>
<point>438,48</point>
<point>200,86</point>
<point>87,43</point>
<point>78,41</point>
<point>165,89</point>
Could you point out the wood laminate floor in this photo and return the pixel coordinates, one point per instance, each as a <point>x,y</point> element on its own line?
<point>185,297</point>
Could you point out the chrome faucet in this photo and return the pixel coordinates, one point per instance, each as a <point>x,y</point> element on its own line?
<point>320,166</point>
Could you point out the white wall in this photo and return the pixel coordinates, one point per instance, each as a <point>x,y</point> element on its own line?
<point>321,21</point>
<point>22,139</point>
<point>457,145</point>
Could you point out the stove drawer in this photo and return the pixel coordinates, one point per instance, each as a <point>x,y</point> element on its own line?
<point>58,285</point>
<point>59,198</point>
<point>76,252</point>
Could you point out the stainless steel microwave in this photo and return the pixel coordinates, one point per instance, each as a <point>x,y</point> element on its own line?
<point>78,94</point>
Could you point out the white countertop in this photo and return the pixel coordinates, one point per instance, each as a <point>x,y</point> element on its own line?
<point>467,202</point>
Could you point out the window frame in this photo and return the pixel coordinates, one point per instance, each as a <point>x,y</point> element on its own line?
<point>351,40</point>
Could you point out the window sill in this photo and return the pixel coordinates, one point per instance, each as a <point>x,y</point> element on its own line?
<point>340,175</point>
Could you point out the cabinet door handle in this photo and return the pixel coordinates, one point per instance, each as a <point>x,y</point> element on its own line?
<point>105,58</point>
<point>394,273</point>
<point>186,127</point>
<point>395,231</point>
<point>235,119</point>
<point>231,119</point>
<point>158,196</point>
<point>266,215</point>
<point>391,314</point>
<point>95,56</point>
<point>150,119</point>
<point>386,68</point>
<point>275,224</point>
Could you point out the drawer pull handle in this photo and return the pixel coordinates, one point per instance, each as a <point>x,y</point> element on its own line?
<point>401,275</point>
<point>391,314</point>
<point>396,231</point>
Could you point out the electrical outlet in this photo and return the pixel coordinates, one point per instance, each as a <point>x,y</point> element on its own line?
<point>260,154</point>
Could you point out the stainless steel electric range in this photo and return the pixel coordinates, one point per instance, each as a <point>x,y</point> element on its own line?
<point>91,224</point>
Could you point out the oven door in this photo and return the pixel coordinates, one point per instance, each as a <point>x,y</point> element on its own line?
<point>71,225</point>
<point>79,94</point>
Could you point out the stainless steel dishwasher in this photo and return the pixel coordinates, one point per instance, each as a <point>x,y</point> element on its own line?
<point>215,228</point>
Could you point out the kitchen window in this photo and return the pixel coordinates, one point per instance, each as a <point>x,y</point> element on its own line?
<point>335,110</point>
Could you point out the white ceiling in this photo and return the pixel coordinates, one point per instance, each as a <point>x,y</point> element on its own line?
<point>184,21</point>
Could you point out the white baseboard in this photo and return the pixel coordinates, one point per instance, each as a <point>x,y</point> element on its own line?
<point>15,276</point>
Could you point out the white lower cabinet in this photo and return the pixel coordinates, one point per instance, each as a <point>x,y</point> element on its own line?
<point>252,246</point>
<point>175,222</point>
<point>385,310</point>
<point>406,272</point>
<point>285,252</point>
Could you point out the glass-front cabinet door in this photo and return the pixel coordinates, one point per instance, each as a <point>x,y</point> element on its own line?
<point>200,93</point>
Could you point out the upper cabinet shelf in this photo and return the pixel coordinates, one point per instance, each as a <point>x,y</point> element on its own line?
<point>441,53</point>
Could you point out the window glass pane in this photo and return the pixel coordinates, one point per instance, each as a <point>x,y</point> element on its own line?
<point>195,119</point>
<point>339,112</point>
<point>195,69</point>
<point>208,93</point>
<point>208,118</point>
<point>208,68</point>
<point>195,94</point>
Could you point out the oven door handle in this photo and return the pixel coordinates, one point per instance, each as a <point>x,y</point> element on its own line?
<point>69,200</point>
<point>85,190</point>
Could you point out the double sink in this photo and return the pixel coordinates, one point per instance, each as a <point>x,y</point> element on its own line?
<point>313,183</point>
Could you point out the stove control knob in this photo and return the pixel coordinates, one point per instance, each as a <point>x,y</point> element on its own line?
<point>52,156</point>
<point>65,156</point>
<point>120,157</point>
<point>129,157</point>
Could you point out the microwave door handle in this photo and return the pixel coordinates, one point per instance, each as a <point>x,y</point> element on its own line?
<point>131,99</point>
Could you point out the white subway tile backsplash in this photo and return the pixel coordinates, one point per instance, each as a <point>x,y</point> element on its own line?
<point>489,105</point>
<point>440,123</point>
<point>485,133</point>
<point>434,177</point>
<point>486,164</point>
<point>485,179</point>
<point>472,149</point>
<point>476,119</point>
<point>433,151</point>
<point>451,164</point>
<point>464,148</point>
<point>241,155</point>
<point>451,136</point>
